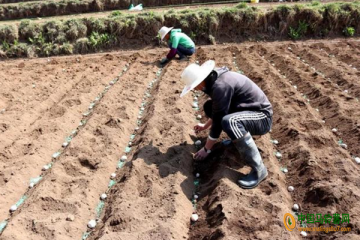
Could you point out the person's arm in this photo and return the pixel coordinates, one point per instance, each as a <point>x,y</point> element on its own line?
<point>171,54</point>
<point>200,126</point>
<point>221,103</point>
<point>208,123</point>
<point>221,97</point>
<point>175,38</point>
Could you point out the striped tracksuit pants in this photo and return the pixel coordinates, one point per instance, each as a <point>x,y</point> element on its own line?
<point>237,124</point>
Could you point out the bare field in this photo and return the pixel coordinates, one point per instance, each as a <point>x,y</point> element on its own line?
<point>314,88</point>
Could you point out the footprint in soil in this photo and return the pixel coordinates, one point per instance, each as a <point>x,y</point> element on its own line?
<point>57,111</point>
<point>223,162</point>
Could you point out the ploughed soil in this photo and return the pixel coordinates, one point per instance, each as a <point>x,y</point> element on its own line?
<point>313,86</point>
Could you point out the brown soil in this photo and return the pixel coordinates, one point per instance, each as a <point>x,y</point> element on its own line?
<point>152,197</point>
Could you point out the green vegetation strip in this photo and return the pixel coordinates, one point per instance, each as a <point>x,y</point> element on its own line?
<point>231,24</point>
<point>66,7</point>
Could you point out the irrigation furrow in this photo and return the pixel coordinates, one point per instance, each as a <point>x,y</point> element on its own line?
<point>219,185</point>
<point>152,201</point>
<point>120,171</point>
<point>335,113</point>
<point>343,75</point>
<point>42,135</point>
<point>302,137</point>
<point>71,190</point>
<point>342,51</point>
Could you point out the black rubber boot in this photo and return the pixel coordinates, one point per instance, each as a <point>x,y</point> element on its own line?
<point>250,153</point>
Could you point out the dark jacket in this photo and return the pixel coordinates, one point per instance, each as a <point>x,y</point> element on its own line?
<point>233,92</point>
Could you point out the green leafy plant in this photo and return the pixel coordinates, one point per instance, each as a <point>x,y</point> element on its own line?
<point>5,45</point>
<point>97,40</point>
<point>116,13</point>
<point>192,35</point>
<point>38,40</point>
<point>349,31</point>
<point>299,31</point>
<point>241,5</point>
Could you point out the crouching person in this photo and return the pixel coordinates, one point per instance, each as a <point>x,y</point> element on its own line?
<point>178,42</point>
<point>238,107</point>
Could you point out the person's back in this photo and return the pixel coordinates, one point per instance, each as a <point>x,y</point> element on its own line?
<point>179,38</point>
<point>179,43</point>
<point>246,96</point>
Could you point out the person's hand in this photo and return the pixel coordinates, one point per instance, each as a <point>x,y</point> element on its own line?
<point>199,127</point>
<point>201,154</point>
<point>164,61</point>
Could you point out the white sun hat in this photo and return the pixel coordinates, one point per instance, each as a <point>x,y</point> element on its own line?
<point>194,74</point>
<point>163,31</point>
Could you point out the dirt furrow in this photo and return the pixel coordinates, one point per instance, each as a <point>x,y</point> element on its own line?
<point>41,124</point>
<point>336,71</point>
<point>336,112</point>
<point>343,51</point>
<point>65,200</point>
<point>231,211</point>
<point>308,148</point>
<point>152,201</point>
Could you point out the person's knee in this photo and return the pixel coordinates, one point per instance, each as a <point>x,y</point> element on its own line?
<point>226,125</point>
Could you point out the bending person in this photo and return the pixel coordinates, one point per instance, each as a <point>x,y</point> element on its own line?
<point>178,42</point>
<point>238,107</point>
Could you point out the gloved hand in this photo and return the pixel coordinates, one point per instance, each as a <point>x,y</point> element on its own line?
<point>164,61</point>
<point>201,154</point>
<point>199,127</point>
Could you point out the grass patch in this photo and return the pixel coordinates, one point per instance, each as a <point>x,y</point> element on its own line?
<point>237,23</point>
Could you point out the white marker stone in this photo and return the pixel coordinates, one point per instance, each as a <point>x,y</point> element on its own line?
<point>195,105</point>
<point>199,117</point>
<point>45,167</point>
<point>103,196</point>
<point>65,144</point>
<point>198,143</point>
<point>137,128</point>
<point>92,224</point>
<point>346,91</point>
<point>195,98</point>
<point>55,155</point>
<point>275,142</point>
<point>123,158</point>
<point>198,174</point>
<point>303,233</point>
<point>285,170</point>
<point>194,217</point>
<point>113,175</point>
<point>323,121</point>
<point>291,188</point>
<point>278,155</point>
<point>31,185</point>
<point>142,109</point>
<point>334,130</point>
<point>295,207</point>
<point>357,160</point>
<point>343,145</point>
<point>13,208</point>
<point>295,87</point>
<point>196,196</point>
